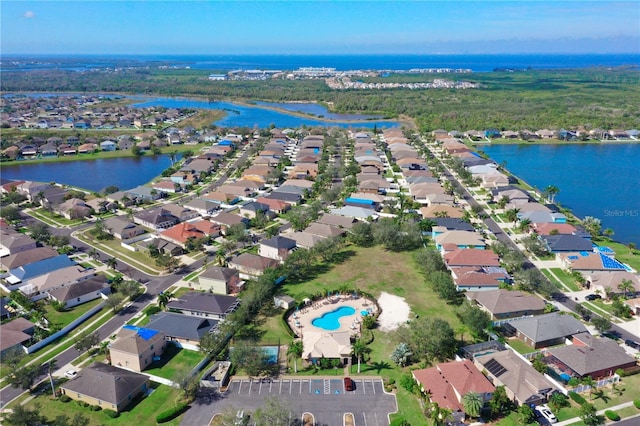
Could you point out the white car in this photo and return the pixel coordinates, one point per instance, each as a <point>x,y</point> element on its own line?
<point>544,412</point>
<point>71,373</point>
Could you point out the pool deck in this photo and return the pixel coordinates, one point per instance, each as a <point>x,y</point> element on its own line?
<point>300,321</point>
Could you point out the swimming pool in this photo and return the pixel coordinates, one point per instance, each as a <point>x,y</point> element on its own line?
<point>272,353</point>
<point>331,320</point>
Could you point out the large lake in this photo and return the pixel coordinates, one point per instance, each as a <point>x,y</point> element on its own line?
<point>95,175</point>
<point>261,117</point>
<point>599,180</point>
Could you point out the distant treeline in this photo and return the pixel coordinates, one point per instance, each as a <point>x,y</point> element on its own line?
<point>591,98</point>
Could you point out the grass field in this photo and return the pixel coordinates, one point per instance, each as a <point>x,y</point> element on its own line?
<point>63,319</point>
<point>566,279</point>
<point>174,362</point>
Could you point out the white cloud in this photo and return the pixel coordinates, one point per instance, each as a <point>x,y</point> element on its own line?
<point>29,14</point>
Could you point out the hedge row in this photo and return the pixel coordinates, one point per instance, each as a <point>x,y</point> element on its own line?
<point>612,415</point>
<point>636,402</point>
<point>172,413</point>
<point>577,398</point>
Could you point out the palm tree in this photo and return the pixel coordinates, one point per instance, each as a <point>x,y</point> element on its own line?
<point>512,215</point>
<point>550,193</point>
<point>359,348</point>
<point>295,351</point>
<point>588,381</point>
<point>51,365</point>
<point>93,253</point>
<point>472,403</point>
<point>112,263</point>
<point>626,286</point>
<point>524,225</point>
<point>164,297</point>
<point>438,414</point>
<point>503,201</point>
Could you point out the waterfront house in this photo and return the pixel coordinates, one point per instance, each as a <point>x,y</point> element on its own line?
<point>74,208</point>
<point>219,280</point>
<point>589,262</point>
<point>562,243</point>
<point>106,386</point>
<point>542,216</point>
<point>143,194</point>
<point>108,146</point>
<point>136,347</point>
<point>446,384</point>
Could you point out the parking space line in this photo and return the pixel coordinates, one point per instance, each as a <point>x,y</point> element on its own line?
<point>250,385</point>
<point>280,391</point>
<point>270,384</point>
<point>373,385</point>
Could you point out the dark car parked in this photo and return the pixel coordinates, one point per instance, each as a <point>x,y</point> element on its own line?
<point>593,297</point>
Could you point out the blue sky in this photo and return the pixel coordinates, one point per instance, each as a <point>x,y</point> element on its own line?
<point>328,27</point>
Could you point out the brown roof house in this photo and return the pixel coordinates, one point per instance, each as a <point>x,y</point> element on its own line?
<point>502,304</point>
<point>14,334</point>
<point>251,265</point>
<point>136,348</point>
<point>219,279</point>
<point>448,382</point>
<point>593,356</point>
<point>106,386</point>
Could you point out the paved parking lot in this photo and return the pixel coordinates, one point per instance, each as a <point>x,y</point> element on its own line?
<point>325,398</point>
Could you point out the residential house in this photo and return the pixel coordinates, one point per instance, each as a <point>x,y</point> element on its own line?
<point>166,247</point>
<point>19,276</point>
<point>208,305</point>
<point>324,230</point>
<point>250,265</point>
<point>596,357</point>
<point>276,206</point>
<point>523,384</point>
<point>337,221</point>
<point>182,232</point>
<point>14,334</point>
<point>225,220</point>
<point>277,247</point>
<point>304,239</point>
<point>446,384</point>
<point>136,347</point>
<point>108,146</point>
<point>219,280</point>
<point>554,229</point>
<point>25,257</point>
<point>355,212</point>
<point>168,186</point>
<point>184,331</point>
<point>471,257</point>
<point>122,228</point>
<point>14,242</point>
<point>252,209</point>
<point>461,239</point>
<point>81,292</point>
<point>73,208</point>
<point>604,281</point>
<point>542,216</point>
<point>589,262</point>
<point>503,304</point>
<point>441,210</point>
<point>158,218</point>
<point>546,330</point>
<point>562,243</point>
<point>106,386</point>
<point>203,207</point>
<point>39,287</point>
<point>477,278</point>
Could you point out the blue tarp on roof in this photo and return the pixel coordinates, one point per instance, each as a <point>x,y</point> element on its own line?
<point>359,201</point>
<point>225,142</point>
<point>145,333</point>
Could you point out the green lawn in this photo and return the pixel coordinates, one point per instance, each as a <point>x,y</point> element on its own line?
<point>64,318</point>
<point>520,347</point>
<point>142,414</point>
<point>565,278</point>
<point>55,217</point>
<point>174,362</point>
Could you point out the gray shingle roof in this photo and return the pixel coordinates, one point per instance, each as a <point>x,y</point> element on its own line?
<point>547,327</point>
<point>216,304</point>
<point>181,326</point>
<point>106,382</point>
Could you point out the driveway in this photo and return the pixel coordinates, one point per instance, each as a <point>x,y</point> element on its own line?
<point>325,398</point>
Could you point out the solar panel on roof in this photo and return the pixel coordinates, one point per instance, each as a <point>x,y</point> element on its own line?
<point>573,257</point>
<point>495,368</point>
<point>584,253</point>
